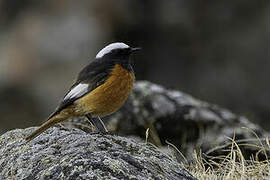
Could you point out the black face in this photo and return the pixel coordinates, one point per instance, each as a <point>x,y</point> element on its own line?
<point>121,54</point>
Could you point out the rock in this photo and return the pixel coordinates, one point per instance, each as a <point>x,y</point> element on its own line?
<point>62,153</point>
<point>183,120</point>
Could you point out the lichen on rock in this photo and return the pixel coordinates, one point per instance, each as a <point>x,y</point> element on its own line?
<point>62,153</point>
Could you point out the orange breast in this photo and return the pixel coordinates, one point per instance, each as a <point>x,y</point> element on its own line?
<point>110,96</point>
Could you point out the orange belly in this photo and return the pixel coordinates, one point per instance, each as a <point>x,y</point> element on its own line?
<point>108,97</point>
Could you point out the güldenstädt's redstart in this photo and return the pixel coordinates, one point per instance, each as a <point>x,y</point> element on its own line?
<point>101,88</point>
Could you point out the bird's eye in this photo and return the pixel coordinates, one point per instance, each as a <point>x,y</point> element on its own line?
<point>116,51</point>
<point>119,51</point>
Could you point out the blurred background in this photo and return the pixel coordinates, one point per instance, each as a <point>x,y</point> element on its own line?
<point>217,51</point>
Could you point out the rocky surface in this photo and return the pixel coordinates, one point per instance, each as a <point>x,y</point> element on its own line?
<point>187,122</point>
<point>61,153</point>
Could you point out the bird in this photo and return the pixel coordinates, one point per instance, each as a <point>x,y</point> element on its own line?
<point>100,89</point>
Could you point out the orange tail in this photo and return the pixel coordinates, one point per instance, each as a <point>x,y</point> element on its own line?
<point>49,123</point>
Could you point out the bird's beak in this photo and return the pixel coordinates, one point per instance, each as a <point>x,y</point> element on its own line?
<point>135,49</point>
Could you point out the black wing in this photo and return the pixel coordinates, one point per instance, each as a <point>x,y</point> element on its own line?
<point>93,75</point>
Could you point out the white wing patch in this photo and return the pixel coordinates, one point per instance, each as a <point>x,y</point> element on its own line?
<point>111,47</point>
<point>77,91</point>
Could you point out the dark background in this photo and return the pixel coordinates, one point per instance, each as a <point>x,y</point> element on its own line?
<point>217,51</point>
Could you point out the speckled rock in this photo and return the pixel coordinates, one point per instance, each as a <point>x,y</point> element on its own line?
<point>61,153</point>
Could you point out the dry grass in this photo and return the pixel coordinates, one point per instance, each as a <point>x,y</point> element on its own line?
<point>233,165</point>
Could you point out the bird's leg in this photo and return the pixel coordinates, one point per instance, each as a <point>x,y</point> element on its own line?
<point>98,123</point>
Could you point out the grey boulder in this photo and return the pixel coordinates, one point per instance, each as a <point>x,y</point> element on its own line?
<point>62,153</point>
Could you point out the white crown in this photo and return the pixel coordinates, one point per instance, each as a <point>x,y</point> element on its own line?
<point>111,47</point>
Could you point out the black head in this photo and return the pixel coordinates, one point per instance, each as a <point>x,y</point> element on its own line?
<point>116,52</point>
